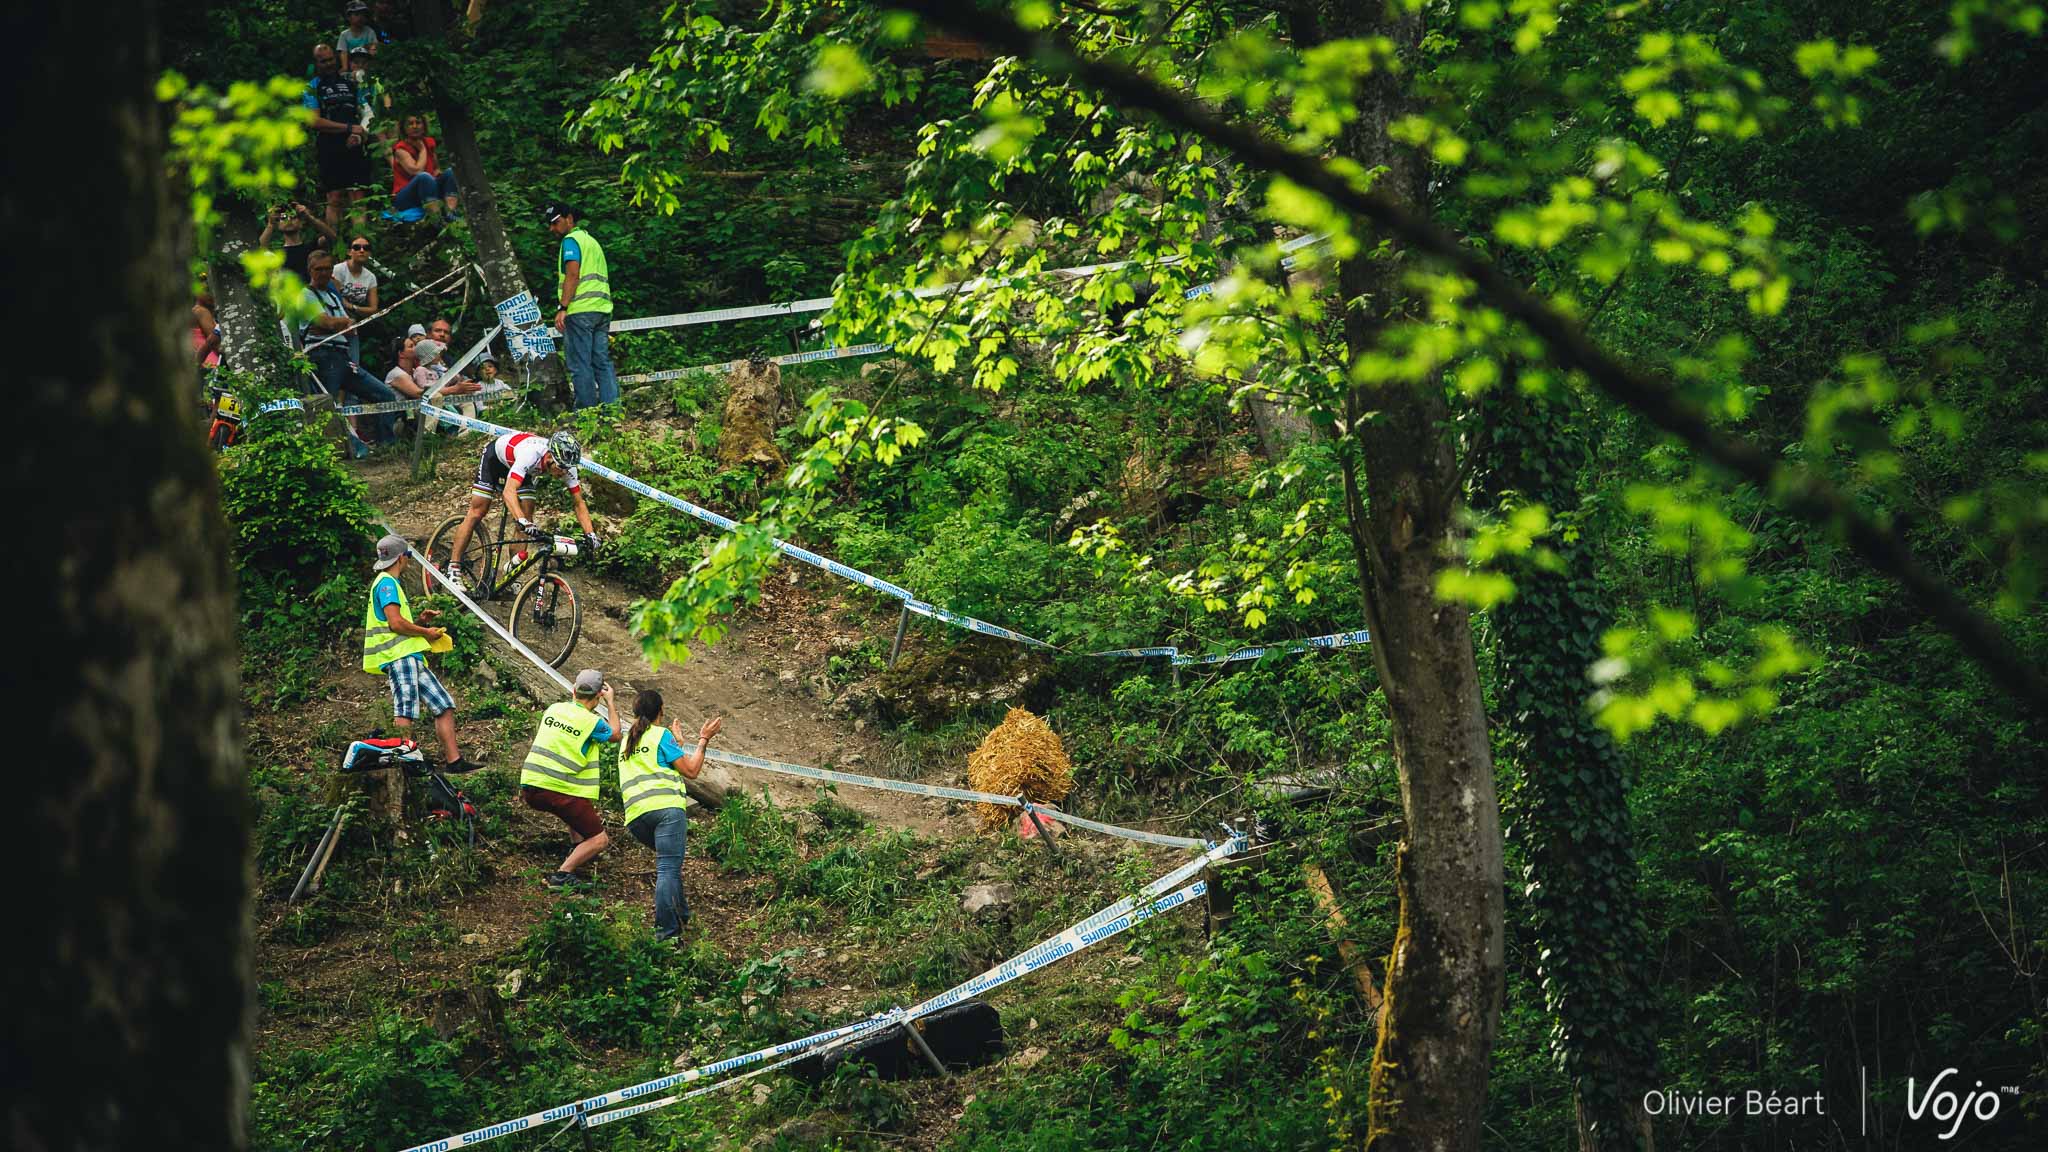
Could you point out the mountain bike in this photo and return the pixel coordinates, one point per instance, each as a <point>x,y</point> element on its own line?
<point>546,615</point>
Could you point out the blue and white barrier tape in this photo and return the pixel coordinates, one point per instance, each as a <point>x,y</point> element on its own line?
<point>1161,895</point>
<point>1313,643</point>
<point>727,366</point>
<point>487,395</point>
<point>1164,904</point>
<point>824,303</point>
<point>910,601</point>
<point>943,792</point>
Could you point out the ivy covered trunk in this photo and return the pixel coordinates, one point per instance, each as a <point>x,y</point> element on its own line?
<point>1571,810</point>
<point>1429,1073</point>
<point>127,968</point>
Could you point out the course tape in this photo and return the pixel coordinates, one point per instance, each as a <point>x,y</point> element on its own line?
<point>343,333</point>
<point>1164,904</point>
<point>1160,895</point>
<point>941,791</point>
<point>824,303</point>
<point>496,392</point>
<point>910,601</point>
<point>728,366</point>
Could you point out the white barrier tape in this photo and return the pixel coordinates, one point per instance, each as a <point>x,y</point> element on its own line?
<point>1159,896</point>
<point>824,303</point>
<point>1312,644</point>
<point>910,600</point>
<point>494,392</point>
<point>728,366</point>
<point>312,344</point>
<point>1164,904</point>
<point>972,625</point>
<point>943,792</point>
<point>288,404</point>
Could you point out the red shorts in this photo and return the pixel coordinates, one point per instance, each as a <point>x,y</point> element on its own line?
<point>579,814</point>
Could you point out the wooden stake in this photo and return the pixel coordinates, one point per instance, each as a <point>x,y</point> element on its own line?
<point>1338,926</point>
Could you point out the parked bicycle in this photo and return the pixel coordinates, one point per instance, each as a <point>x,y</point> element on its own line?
<point>546,616</point>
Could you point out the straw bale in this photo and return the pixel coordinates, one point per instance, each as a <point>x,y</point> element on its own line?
<point>1021,756</point>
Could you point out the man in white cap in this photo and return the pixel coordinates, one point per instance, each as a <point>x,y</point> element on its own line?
<point>561,772</point>
<point>397,647</point>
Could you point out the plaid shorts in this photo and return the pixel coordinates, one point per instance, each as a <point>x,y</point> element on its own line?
<point>414,684</point>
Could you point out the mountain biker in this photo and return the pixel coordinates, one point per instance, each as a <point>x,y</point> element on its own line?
<point>503,471</point>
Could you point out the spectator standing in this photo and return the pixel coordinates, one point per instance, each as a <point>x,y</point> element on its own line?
<point>356,281</point>
<point>388,22</point>
<point>337,103</point>
<point>585,315</point>
<point>416,177</point>
<point>396,646</point>
<point>560,775</point>
<point>289,222</point>
<point>359,36</point>
<point>652,768</point>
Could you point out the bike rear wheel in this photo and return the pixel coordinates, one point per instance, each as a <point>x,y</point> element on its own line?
<point>476,557</point>
<point>547,617</point>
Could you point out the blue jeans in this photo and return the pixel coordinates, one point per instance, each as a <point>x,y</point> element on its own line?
<point>422,188</point>
<point>663,831</point>
<point>588,339</point>
<point>340,377</point>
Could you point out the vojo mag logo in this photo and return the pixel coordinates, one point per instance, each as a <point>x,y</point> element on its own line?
<point>1945,1100</point>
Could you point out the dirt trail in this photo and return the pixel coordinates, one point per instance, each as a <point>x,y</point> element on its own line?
<point>757,677</point>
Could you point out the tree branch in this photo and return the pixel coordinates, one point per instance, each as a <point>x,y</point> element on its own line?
<point>1801,491</point>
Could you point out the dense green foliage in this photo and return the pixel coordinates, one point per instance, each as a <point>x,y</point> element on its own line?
<point>1835,853</point>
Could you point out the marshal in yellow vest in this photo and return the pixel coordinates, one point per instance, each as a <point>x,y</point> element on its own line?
<point>558,761</point>
<point>644,784</point>
<point>380,644</point>
<point>593,279</point>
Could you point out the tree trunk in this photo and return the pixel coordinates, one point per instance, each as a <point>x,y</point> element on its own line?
<point>1443,983</point>
<point>128,1010</point>
<point>249,334</point>
<point>503,278</point>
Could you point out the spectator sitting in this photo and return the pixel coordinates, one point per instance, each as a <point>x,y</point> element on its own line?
<point>288,222</point>
<point>355,280</point>
<point>407,358</point>
<point>336,368</point>
<point>358,35</point>
<point>417,181</point>
<point>337,103</point>
<point>487,373</point>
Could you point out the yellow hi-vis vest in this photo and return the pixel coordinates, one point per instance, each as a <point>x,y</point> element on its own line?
<point>557,761</point>
<point>380,644</point>
<point>644,784</point>
<point>593,285</point>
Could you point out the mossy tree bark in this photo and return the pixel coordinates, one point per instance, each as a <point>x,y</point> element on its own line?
<point>1443,983</point>
<point>128,1010</point>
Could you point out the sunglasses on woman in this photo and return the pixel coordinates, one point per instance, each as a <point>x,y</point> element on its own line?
<point>359,247</point>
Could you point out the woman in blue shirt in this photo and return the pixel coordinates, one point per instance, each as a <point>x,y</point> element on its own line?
<point>652,768</point>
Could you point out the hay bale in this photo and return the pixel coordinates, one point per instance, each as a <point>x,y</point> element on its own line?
<point>1021,756</point>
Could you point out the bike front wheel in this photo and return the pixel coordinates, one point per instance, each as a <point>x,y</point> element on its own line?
<point>476,571</point>
<point>547,617</point>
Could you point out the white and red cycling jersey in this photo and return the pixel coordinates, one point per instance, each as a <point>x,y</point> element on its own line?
<point>517,455</point>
